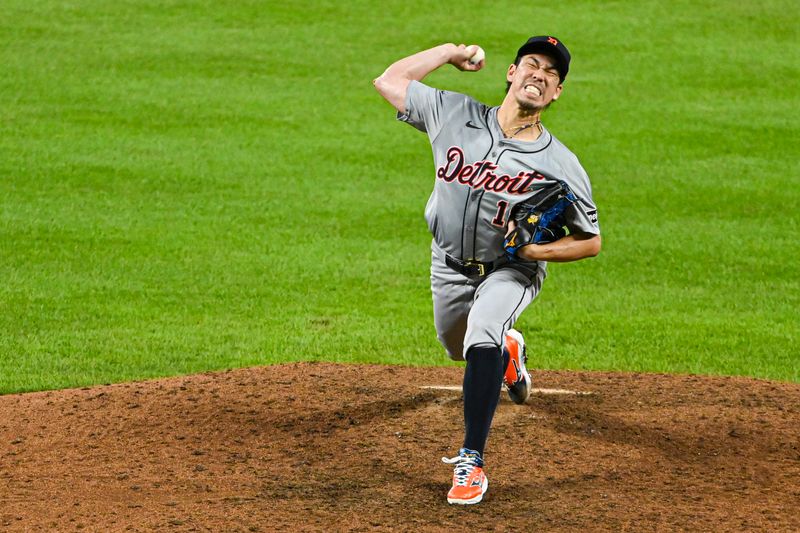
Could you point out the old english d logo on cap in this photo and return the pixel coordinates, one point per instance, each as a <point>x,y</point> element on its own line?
<point>550,45</point>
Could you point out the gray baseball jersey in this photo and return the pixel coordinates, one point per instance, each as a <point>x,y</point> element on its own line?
<point>480,177</point>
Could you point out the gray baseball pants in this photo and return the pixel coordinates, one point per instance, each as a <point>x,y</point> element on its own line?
<point>477,311</point>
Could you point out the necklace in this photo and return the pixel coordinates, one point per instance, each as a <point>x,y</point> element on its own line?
<point>537,123</point>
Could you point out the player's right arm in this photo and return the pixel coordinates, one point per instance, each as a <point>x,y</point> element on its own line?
<point>393,83</point>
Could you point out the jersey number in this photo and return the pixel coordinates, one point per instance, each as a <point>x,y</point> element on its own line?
<point>499,218</point>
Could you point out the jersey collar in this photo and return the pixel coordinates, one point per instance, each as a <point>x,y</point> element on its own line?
<point>523,146</point>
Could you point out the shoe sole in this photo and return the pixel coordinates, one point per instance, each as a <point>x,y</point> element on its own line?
<point>474,500</point>
<point>526,376</point>
<point>521,399</point>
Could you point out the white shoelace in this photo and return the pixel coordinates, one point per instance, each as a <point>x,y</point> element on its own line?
<point>464,467</point>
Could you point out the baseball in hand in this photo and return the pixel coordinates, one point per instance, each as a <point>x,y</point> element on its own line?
<point>478,55</point>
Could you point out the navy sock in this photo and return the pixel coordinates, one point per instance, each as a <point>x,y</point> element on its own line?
<point>483,378</point>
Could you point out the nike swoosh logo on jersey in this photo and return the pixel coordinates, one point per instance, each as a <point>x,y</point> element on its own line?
<point>473,126</point>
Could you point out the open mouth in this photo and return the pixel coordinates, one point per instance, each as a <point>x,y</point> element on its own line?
<point>533,90</point>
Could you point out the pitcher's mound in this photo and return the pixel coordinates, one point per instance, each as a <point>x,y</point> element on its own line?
<point>324,447</point>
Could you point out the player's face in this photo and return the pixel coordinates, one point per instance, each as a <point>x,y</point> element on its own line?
<point>535,81</point>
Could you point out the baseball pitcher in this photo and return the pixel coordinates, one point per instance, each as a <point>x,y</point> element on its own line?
<point>508,197</point>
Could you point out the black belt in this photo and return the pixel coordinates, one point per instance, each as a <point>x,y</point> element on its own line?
<point>469,267</point>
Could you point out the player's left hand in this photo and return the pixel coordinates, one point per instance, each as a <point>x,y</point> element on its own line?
<point>511,225</point>
<point>526,243</point>
<point>538,220</point>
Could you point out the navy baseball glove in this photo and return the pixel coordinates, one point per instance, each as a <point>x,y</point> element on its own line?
<point>540,218</point>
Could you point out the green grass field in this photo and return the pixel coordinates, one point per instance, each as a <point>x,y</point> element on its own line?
<point>189,186</point>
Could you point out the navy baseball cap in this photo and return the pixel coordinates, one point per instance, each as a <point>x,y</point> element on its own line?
<point>547,44</point>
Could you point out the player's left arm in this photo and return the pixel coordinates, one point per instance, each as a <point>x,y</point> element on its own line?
<point>584,232</point>
<point>570,248</point>
<point>581,219</point>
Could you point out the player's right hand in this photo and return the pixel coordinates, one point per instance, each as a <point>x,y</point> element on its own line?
<point>462,54</point>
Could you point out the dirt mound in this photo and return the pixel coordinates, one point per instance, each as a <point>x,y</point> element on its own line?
<point>323,447</point>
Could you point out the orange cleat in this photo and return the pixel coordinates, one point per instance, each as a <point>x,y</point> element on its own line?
<point>516,379</point>
<point>469,480</point>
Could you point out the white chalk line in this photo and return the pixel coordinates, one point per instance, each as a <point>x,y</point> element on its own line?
<point>533,391</point>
